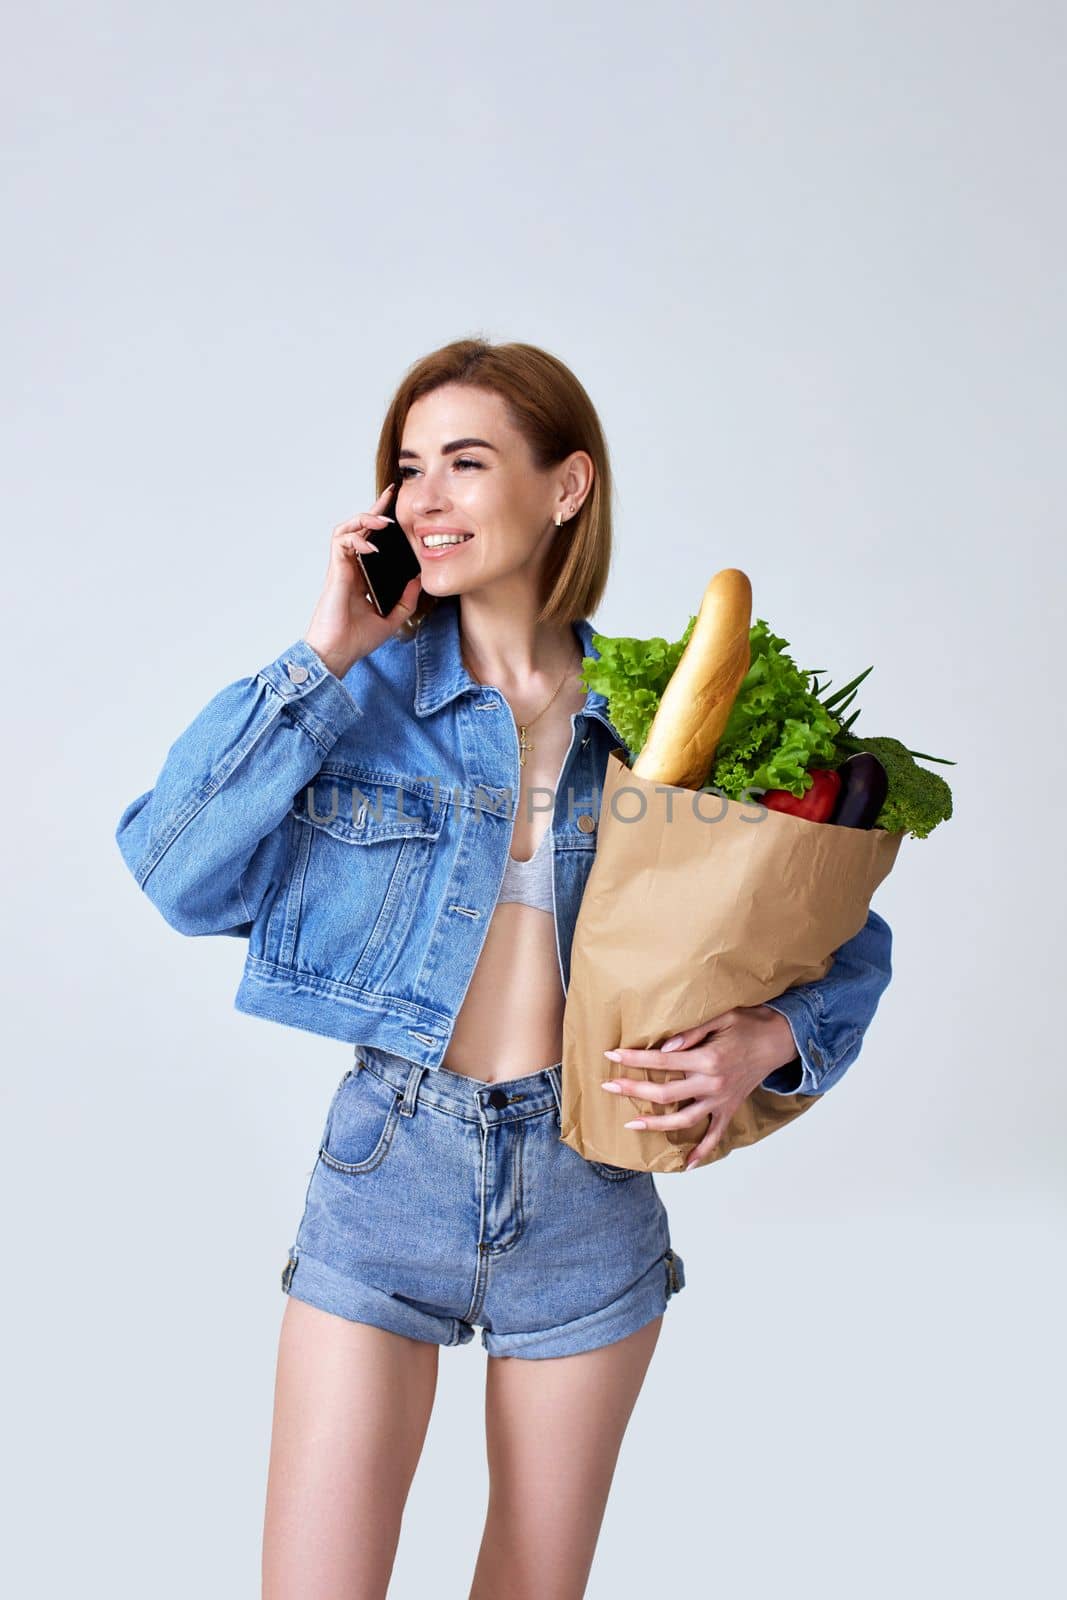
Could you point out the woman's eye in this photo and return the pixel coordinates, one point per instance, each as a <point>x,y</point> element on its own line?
<point>460,461</point>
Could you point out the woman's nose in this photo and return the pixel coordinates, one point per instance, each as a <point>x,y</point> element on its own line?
<point>426,499</point>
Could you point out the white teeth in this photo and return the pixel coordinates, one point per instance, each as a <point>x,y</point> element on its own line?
<point>431,541</point>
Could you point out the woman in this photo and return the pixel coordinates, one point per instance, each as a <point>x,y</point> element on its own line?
<point>430,927</point>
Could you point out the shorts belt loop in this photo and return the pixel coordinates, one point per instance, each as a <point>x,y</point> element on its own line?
<point>411,1089</point>
<point>554,1080</point>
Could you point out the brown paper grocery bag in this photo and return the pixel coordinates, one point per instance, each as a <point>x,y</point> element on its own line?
<point>696,904</point>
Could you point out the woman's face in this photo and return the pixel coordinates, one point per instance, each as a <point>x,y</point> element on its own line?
<point>489,490</point>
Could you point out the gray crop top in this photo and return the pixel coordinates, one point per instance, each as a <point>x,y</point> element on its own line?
<point>530,881</point>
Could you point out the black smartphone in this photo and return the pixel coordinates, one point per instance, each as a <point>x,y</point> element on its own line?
<point>393,566</point>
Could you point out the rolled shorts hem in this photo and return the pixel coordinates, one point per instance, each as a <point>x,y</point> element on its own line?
<point>644,1300</point>
<point>310,1280</point>
<point>314,1282</point>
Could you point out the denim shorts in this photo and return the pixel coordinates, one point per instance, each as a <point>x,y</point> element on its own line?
<point>440,1203</point>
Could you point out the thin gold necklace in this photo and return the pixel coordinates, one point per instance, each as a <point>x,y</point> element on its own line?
<point>524,743</point>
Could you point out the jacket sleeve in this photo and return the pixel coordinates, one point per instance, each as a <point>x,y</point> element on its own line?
<point>204,843</point>
<point>829,1017</point>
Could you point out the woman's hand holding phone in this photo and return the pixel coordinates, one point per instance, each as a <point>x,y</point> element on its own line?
<point>345,625</point>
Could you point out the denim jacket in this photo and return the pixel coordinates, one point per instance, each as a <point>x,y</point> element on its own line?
<point>355,832</point>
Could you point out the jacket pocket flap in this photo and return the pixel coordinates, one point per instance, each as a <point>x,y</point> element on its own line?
<point>367,813</point>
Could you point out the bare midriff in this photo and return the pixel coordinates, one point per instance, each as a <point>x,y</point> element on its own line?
<point>511,1019</point>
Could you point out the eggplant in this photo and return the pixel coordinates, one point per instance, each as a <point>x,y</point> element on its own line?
<point>864,786</point>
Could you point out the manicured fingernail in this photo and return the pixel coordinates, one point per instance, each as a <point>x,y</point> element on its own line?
<point>672,1044</point>
<point>612,1088</point>
<point>633,1124</point>
<point>613,1055</point>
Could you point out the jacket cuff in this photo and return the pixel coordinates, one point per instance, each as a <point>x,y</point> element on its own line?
<point>801,1075</point>
<point>303,680</point>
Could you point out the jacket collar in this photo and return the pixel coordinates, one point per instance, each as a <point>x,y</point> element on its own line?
<point>440,675</point>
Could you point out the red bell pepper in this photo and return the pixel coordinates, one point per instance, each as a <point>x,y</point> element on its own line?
<point>815,804</point>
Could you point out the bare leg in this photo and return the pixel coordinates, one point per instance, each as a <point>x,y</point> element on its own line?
<point>553,1432</point>
<point>351,1407</point>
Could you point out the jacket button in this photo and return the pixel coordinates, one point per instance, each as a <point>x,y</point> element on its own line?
<point>498,1098</point>
<point>296,672</point>
<point>586,823</point>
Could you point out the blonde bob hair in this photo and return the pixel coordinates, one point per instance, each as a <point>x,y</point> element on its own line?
<point>549,407</point>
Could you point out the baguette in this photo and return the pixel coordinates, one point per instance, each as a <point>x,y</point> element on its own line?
<point>698,699</point>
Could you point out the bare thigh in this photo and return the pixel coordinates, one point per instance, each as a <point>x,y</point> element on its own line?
<point>553,1432</point>
<point>351,1408</point>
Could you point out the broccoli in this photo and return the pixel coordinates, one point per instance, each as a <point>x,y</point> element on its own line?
<point>917,800</point>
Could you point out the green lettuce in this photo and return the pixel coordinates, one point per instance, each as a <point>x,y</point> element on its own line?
<point>632,674</point>
<point>777,727</point>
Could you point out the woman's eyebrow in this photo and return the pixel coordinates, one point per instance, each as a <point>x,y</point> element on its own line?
<point>449,449</point>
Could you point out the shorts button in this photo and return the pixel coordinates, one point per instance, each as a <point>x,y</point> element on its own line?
<point>498,1098</point>
<point>586,823</point>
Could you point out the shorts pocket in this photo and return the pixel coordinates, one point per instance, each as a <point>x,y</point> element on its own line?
<point>613,1174</point>
<point>360,1123</point>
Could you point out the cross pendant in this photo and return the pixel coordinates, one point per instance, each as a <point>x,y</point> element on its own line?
<point>524,745</point>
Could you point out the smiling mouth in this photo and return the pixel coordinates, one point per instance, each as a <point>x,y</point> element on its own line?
<point>433,542</point>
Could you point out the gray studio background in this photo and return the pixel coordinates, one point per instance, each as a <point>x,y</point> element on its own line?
<point>808,260</point>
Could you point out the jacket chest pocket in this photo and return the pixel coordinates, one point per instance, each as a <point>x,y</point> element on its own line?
<point>362,848</point>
